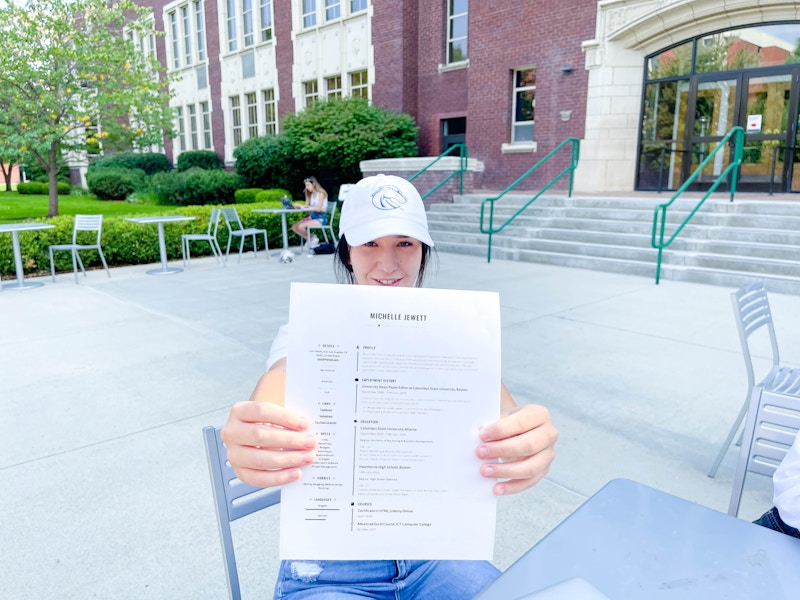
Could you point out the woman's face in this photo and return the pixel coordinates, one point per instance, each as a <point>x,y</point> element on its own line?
<point>393,260</point>
<point>310,186</point>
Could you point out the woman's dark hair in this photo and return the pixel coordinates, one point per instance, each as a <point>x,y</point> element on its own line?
<point>344,270</point>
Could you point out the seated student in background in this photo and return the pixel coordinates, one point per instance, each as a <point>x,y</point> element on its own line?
<point>785,515</point>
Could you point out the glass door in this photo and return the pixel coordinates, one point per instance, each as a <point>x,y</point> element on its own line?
<point>712,110</point>
<point>765,116</point>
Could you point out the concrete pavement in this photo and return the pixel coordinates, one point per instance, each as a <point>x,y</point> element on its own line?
<point>105,386</point>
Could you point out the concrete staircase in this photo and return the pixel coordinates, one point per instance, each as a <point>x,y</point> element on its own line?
<point>725,243</point>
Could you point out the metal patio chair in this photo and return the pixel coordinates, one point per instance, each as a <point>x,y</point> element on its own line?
<point>236,229</point>
<point>233,500</point>
<point>773,420</point>
<point>752,311</point>
<point>86,223</point>
<point>209,236</point>
<point>325,229</point>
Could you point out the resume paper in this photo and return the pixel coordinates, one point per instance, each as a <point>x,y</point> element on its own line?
<point>396,383</point>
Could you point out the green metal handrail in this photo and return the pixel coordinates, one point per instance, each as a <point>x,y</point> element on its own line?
<point>574,155</point>
<point>732,169</point>
<point>462,166</point>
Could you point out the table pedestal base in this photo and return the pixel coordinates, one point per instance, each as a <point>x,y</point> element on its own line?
<point>165,271</point>
<point>26,285</point>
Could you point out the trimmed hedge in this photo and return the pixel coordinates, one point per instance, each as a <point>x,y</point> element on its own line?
<point>272,195</point>
<point>126,243</point>
<point>149,162</point>
<point>43,188</point>
<point>246,195</point>
<point>115,184</point>
<point>199,159</point>
<point>195,186</point>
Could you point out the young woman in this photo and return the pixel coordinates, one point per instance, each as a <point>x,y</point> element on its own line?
<point>317,202</point>
<point>384,241</point>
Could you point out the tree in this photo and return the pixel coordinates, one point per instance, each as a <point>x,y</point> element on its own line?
<point>71,82</point>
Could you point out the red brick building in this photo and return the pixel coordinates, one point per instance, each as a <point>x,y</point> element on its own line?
<point>511,80</point>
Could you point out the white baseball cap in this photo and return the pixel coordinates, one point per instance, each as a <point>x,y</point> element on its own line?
<point>383,205</point>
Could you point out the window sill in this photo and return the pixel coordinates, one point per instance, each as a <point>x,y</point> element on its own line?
<point>518,148</point>
<point>456,66</point>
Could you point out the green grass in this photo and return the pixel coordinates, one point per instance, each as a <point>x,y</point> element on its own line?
<point>15,207</point>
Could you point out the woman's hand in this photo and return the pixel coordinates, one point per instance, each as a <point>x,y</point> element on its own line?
<point>268,444</point>
<point>524,441</point>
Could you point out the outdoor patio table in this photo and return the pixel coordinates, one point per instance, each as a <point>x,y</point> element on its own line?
<point>14,229</point>
<point>631,541</point>
<point>283,212</point>
<point>164,270</point>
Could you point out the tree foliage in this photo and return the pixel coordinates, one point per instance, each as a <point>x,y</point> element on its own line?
<point>71,82</point>
<point>329,138</point>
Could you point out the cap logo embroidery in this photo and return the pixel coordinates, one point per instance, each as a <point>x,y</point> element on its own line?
<point>388,197</point>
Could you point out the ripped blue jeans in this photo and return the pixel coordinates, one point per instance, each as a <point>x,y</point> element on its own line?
<point>383,579</point>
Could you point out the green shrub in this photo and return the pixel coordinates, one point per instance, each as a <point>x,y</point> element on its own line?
<point>199,159</point>
<point>115,183</point>
<point>273,196</point>
<point>246,195</point>
<point>42,188</point>
<point>149,162</point>
<point>328,139</point>
<point>195,186</point>
<point>267,162</point>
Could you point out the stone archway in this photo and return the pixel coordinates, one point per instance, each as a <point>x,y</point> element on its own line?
<point>627,31</point>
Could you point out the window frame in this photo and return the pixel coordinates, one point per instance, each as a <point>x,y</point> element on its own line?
<point>516,91</point>
<point>360,89</point>
<point>310,96</point>
<point>265,8</point>
<point>452,16</point>
<point>270,111</point>
<point>308,13</point>
<point>235,103</point>
<point>205,118</point>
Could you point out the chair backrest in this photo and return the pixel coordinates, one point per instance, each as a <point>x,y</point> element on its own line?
<point>233,500</point>
<point>752,311</point>
<point>773,421</point>
<point>213,222</point>
<point>232,218</point>
<point>87,223</point>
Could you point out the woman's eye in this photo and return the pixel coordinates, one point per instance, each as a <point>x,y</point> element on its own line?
<point>405,244</point>
<point>370,244</point>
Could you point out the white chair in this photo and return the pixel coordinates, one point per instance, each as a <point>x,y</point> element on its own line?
<point>752,311</point>
<point>327,228</point>
<point>773,420</point>
<point>82,223</point>
<point>209,236</point>
<point>232,500</point>
<point>236,229</point>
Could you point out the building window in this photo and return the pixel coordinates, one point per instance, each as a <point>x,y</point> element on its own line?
<point>236,120</point>
<point>333,87</point>
<point>358,5</point>
<point>454,131</point>
<point>310,92</point>
<point>193,126</point>
<point>457,13</point>
<point>270,112</point>
<point>309,13</point>
<point>181,129</point>
<point>333,9</point>
<point>176,43</point>
<point>186,20</point>
<point>247,21</point>
<point>266,20</point>
<point>524,104</point>
<point>205,115</point>
<point>231,17</point>
<point>359,86</point>
<point>199,18</point>
<point>252,114</point>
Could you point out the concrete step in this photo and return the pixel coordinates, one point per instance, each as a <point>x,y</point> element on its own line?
<point>725,243</point>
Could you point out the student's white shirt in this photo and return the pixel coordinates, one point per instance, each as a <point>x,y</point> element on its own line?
<point>787,486</point>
